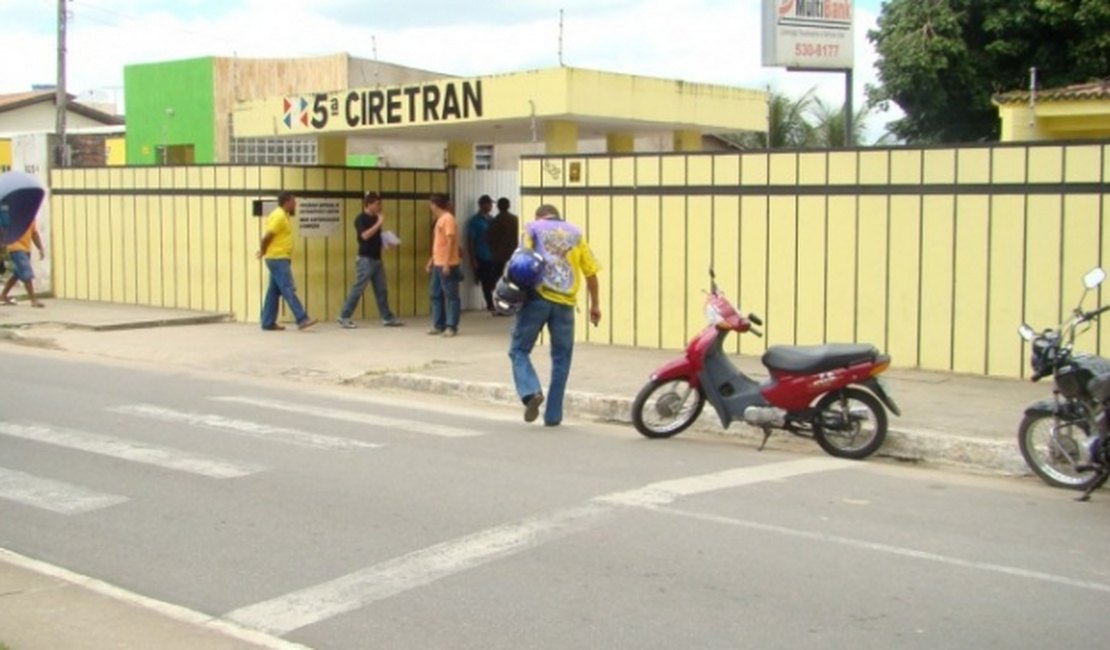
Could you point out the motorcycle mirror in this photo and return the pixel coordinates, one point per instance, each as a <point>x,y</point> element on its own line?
<point>1027,332</point>
<point>1094,277</point>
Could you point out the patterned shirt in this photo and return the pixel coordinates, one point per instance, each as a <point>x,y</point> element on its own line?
<point>567,255</point>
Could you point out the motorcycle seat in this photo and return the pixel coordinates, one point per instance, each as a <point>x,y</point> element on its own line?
<point>817,358</point>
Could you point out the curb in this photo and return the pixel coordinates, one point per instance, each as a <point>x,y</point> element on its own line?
<point>907,445</point>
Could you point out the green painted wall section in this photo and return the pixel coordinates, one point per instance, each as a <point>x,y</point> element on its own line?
<point>171,103</point>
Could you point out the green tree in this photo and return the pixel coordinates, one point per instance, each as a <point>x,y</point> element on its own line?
<point>941,60</point>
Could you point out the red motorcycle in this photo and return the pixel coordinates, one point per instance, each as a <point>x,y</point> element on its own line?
<point>831,393</point>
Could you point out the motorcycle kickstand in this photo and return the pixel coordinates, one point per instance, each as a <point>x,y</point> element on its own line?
<point>766,435</point>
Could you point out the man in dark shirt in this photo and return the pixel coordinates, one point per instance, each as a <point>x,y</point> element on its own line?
<point>503,235</point>
<point>369,269</point>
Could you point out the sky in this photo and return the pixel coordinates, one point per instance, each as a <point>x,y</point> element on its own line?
<point>707,41</point>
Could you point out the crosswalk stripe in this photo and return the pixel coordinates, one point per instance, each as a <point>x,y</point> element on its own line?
<point>389,578</point>
<point>51,495</point>
<point>166,457</point>
<point>244,427</point>
<point>354,416</point>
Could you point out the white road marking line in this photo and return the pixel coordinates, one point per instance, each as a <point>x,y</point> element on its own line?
<point>355,416</point>
<point>174,612</point>
<point>666,492</point>
<point>311,605</point>
<point>51,495</point>
<point>166,457</point>
<point>243,427</point>
<point>295,610</point>
<point>426,405</point>
<point>886,548</point>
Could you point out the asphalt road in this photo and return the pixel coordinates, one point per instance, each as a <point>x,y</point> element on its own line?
<point>340,518</point>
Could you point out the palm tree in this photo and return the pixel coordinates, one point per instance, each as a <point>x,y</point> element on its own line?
<point>829,124</point>
<point>787,126</point>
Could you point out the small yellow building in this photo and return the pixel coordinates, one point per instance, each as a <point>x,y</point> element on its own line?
<point>1080,111</point>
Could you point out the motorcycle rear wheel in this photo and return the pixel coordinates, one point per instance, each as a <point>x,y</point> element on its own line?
<point>666,408</point>
<point>1054,455</point>
<point>844,430</point>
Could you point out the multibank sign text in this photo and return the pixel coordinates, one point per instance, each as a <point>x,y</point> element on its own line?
<point>808,33</point>
<point>449,101</point>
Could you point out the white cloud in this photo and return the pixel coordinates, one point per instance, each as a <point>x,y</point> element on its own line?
<point>711,41</point>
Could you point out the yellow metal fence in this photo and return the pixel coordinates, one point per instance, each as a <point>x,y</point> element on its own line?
<point>185,237</point>
<point>935,255</point>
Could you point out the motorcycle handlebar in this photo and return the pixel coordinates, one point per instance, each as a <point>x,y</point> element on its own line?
<point>755,319</point>
<point>1091,315</point>
<point>755,331</point>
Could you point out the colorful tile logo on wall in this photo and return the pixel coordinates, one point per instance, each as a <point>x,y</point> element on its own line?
<point>295,109</point>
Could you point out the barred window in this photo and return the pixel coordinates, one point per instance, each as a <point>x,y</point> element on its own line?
<point>483,156</point>
<point>273,151</point>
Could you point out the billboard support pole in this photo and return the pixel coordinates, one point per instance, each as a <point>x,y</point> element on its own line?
<point>849,113</point>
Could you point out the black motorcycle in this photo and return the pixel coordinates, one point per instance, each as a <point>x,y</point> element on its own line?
<point>1064,439</point>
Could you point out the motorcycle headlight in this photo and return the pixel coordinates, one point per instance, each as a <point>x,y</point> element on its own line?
<point>1044,353</point>
<point>712,315</point>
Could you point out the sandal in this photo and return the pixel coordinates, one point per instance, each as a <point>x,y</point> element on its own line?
<point>7,302</point>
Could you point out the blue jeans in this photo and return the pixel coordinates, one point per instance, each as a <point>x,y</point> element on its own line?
<point>530,320</point>
<point>281,286</point>
<point>21,265</point>
<point>368,270</point>
<point>446,304</point>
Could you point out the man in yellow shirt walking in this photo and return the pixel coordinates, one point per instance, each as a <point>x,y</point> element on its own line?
<point>551,304</point>
<point>20,253</point>
<point>277,250</point>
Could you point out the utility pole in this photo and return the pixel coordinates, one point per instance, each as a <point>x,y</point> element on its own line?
<point>61,158</point>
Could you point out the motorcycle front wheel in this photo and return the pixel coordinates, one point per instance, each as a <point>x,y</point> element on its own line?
<point>1053,448</point>
<point>665,408</point>
<point>850,423</point>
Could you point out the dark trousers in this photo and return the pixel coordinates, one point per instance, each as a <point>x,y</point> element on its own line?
<point>488,273</point>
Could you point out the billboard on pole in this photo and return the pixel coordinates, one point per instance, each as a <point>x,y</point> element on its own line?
<point>813,34</point>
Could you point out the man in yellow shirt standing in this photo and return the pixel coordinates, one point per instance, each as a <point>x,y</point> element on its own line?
<point>444,267</point>
<point>20,252</point>
<point>277,250</point>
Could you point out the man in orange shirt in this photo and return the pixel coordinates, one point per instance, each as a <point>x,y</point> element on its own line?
<point>444,267</point>
<point>20,252</point>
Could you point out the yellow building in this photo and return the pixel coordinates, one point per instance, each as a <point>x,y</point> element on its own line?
<point>1080,111</point>
<point>554,111</point>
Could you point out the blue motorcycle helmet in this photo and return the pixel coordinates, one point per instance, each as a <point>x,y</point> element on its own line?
<point>508,298</point>
<point>525,268</point>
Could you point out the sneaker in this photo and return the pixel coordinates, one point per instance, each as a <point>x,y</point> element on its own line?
<point>532,407</point>
<point>450,331</point>
<point>435,332</point>
<point>393,323</point>
<point>273,328</point>
<point>347,323</point>
<point>306,323</point>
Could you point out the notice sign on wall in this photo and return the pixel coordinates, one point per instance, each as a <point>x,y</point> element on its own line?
<point>319,217</point>
<point>808,34</point>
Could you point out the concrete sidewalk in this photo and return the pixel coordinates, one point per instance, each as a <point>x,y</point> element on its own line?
<point>962,421</point>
